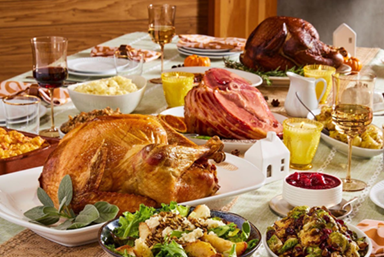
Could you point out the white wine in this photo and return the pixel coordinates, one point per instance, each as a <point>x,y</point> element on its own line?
<point>162,34</point>
<point>351,119</point>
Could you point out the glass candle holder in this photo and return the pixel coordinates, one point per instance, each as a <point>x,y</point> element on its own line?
<point>321,71</point>
<point>301,137</point>
<point>176,86</point>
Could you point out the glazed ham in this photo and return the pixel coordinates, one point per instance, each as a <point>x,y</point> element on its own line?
<point>226,105</point>
<point>284,42</point>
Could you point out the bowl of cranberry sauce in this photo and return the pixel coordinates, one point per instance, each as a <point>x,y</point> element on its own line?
<point>312,189</point>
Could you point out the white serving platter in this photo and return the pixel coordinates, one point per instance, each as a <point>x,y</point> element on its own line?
<point>377,194</point>
<point>254,79</point>
<point>229,144</point>
<point>18,194</point>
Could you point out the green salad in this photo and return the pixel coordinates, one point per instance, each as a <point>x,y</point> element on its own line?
<point>178,231</point>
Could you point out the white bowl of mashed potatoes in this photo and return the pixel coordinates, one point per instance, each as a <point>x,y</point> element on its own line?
<point>120,92</point>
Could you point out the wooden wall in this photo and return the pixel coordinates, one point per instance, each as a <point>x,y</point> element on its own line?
<point>84,22</point>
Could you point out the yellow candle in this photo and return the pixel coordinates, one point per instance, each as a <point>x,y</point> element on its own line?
<point>301,137</point>
<point>176,86</point>
<point>320,71</point>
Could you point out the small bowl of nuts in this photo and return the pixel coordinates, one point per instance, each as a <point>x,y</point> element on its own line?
<point>123,92</point>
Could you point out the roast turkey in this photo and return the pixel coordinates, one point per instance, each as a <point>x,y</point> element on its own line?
<point>127,160</point>
<point>283,42</point>
<point>226,105</point>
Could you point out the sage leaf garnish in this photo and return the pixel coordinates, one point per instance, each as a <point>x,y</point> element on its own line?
<point>44,197</point>
<point>107,211</point>
<point>65,189</point>
<point>48,215</point>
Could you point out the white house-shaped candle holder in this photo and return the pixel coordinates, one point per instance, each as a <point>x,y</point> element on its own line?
<point>271,156</point>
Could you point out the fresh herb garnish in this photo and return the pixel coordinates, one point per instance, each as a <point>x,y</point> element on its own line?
<point>263,74</point>
<point>202,137</point>
<point>48,215</point>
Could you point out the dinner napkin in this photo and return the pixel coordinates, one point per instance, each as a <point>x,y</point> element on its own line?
<point>106,51</point>
<point>208,42</point>
<point>9,88</point>
<point>374,229</point>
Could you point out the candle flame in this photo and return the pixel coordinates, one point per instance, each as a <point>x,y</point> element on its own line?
<point>320,67</point>
<point>302,124</point>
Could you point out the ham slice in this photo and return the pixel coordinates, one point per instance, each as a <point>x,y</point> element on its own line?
<point>226,105</point>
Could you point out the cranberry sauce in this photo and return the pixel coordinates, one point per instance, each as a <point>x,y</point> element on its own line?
<point>312,180</point>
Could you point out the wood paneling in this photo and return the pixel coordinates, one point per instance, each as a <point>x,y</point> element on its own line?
<point>238,18</point>
<point>84,22</point>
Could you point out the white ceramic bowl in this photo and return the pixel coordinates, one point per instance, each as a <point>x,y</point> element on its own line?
<point>351,227</point>
<point>297,196</point>
<point>127,103</point>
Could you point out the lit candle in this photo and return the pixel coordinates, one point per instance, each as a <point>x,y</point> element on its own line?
<point>301,137</point>
<point>321,71</point>
<point>176,86</point>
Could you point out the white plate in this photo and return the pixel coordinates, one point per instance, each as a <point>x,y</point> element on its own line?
<point>229,144</point>
<point>207,50</point>
<point>96,66</point>
<point>18,194</point>
<point>377,194</point>
<point>227,53</point>
<point>254,79</point>
<point>210,55</point>
<point>343,147</point>
<point>247,177</point>
<point>21,118</point>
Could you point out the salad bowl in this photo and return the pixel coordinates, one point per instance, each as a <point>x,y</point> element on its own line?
<point>106,236</point>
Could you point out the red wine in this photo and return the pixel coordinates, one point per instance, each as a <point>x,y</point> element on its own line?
<point>50,77</point>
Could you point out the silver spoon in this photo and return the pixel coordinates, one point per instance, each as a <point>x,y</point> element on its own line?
<point>342,210</point>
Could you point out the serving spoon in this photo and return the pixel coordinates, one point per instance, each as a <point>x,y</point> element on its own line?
<point>340,212</point>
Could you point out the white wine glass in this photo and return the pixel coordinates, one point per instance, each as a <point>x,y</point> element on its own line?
<point>352,113</point>
<point>161,25</point>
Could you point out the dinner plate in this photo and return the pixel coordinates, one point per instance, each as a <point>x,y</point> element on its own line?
<point>18,194</point>
<point>254,79</point>
<point>21,117</point>
<point>342,147</point>
<point>205,50</point>
<point>97,66</point>
<point>227,53</point>
<point>210,55</point>
<point>377,194</point>
<point>229,144</point>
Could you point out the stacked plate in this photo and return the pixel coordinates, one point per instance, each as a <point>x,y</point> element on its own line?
<point>98,66</point>
<point>211,53</point>
<point>19,118</point>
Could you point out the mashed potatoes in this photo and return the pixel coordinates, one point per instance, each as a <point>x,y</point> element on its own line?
<point>111,86</point>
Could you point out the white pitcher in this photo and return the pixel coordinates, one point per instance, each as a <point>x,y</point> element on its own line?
<point>305,88</point>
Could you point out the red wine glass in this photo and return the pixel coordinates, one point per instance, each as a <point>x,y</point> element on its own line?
<point>50,69</point>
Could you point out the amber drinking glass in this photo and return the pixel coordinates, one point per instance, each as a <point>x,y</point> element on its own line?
<point>161,20</point>
<point>352,113</point>
<point>50,69</point>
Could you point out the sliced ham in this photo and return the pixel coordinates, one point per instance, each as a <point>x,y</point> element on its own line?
<point>226,105</point>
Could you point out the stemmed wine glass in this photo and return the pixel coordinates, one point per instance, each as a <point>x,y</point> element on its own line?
<point>161,25</point>
<point>50,69</point>
<point>352,113</point>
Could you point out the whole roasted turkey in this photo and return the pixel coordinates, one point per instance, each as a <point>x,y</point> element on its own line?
<point>226,105</point>
<point>128,160</point>
<point>283,42</point>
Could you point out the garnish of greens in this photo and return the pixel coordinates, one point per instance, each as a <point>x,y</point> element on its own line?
<point>263,74</point>
<point>128,232</point>
<point>48,215</point>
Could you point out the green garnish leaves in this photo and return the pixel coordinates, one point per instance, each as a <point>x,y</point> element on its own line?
<point>231,253</point>
<point>263,74</point>
<point>172,249</point>
<point>48,215</point>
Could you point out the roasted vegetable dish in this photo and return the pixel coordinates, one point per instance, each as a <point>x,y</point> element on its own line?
<point>177,231</point>
<point>314,232</point>
<point>372,138</point>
